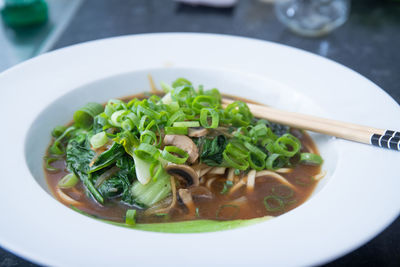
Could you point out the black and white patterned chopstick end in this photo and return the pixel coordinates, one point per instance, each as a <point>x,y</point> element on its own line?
<point>390,139</point>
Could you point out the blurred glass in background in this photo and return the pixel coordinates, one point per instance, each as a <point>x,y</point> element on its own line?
<point>312,17</point>
<point>30,27</point>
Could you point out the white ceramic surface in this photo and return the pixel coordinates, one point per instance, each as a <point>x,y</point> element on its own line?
<point>356,201</point>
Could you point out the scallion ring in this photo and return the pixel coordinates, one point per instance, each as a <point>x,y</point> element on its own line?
<point>169,153</point>
<point>275,161</point>
<point>130,217</point>
<point>204,118</point>
<point>311,159</point>
<point>286,145</point>
<point>84,117</point>
<point>68,181</point>
<point>99,140</point>
<point>273,203</point>
<point>50,160</point>
<point>186,124</point>
<point>147,152</point>
<point>176,130</point>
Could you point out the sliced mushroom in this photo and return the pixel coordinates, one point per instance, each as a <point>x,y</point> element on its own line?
<point>200,192</point>
<point>183,172</point>
<point>197,132</point>
<point>185,143</point>
<point>187,200</point>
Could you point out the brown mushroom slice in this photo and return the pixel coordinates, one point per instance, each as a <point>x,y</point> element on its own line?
<point>183,172</point>
<point>197,132</point>
<point>201,192</point>
<point>185,143</point>
<point>187,200</point>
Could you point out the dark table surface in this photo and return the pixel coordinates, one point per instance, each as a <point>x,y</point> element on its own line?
<point>368,43</point>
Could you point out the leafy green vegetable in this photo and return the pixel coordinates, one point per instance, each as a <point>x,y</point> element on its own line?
<point>79,156</point>
<point>153,191</point>
<point>108,157</point>
<point>212,149</point>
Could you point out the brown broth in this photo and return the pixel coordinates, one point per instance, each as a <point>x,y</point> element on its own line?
<point>221,207</point>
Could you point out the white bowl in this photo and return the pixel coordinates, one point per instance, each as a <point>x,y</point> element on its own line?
<point>345,211</point>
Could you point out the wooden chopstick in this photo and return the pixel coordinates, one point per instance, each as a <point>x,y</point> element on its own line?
<point>349,131</point>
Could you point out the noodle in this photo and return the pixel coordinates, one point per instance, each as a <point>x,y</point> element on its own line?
<point>67,199</point>
<point>276,176</point>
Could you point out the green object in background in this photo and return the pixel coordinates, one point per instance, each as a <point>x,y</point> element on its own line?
<point>22,13</point>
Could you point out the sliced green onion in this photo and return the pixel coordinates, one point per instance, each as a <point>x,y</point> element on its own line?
<point>239,164</point>
<point>286,145</point>
<point>151,113</point>
<point>168,156</point>
<point>118,117</point>
<point>190,113</point>
<point>176,130</point>
<point>204,101</point>
<point>275,161</point>
<point>256,157</point>
<point>282,191</point>
<point>243,134</point>
<point>84,117</point>
<point>180,82</point>
<point>147,152</point>
<point>166,87</point>
<point>144,121</point>
<point>173,106</point>
<point>186,124</point>
<point>68,181</point>
<point>311,159</point>
<point>57,148</point>
<point>256,162</point>
<point>273,203</point>
<point>156,170</point>
<point>148,137</point>
<point>130,217</point>
<point>177,116</point>
<point>236,157</point>
<point>183,94</point>
<point>99,140</point>
<point>50,160</point>
<point>58,130</point>
<point>239,113</point>
<point>128,140</point>
<point>131,121</point>
<point>255,150</point>
<point>221,209</point>
<point>204,118</point>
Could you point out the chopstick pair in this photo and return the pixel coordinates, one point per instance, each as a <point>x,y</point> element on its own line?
<point>349,131</point>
